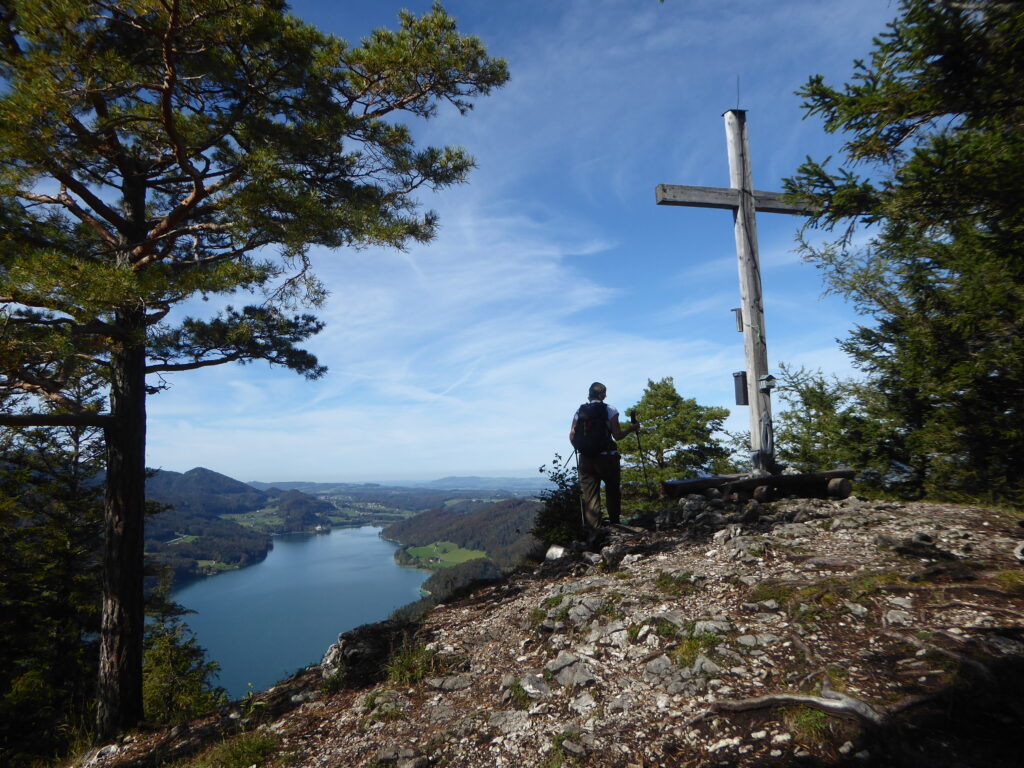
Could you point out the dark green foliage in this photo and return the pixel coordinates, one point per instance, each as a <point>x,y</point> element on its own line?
<point>203,492</point>
<point>413,662</point>
<point>301,512</point>
<point>500,529</point>
<point>179,540</point>
<point>178,680</point>
<point>675,584</point>
<point>50,532</point>
<point>831,423</point>
<point>935,117</point>
<point>560,519</point>
<point>450,582</point>
<point>813,423</point>
<point>679,439</point>
<point>241,751</point>
<point>155,153</point>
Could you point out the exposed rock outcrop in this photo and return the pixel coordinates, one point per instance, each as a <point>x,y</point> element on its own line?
<point>852,632</point>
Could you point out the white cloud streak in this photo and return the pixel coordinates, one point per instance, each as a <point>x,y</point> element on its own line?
<point>550,269</point>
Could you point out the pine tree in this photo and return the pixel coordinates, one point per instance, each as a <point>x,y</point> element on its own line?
<point>178,680</point>
<point>936,121</point>
<point>50,536</point>
<point>156,152</point>
<point>828,423</point>
<point>678,439</point>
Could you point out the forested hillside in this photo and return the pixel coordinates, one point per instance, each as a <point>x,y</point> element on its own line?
<point>204,492</point>
<point>494,528</point>
<point>500,530</point>
<point>214,523</point>
<point>202,546</point>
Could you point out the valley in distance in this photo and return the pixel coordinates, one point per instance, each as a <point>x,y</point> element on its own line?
<point>473,527</point>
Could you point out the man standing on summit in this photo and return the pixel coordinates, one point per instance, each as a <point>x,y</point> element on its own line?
<point>595,428</point>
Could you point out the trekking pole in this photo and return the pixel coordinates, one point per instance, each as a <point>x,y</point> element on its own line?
<point>640,450</point>
<point>579,485</point>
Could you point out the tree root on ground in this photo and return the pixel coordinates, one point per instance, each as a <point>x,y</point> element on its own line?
<point>810,655</point>
<point>966,661</point>
<point>976,607</point>
<point>830,702</point>
<point>978,589</point>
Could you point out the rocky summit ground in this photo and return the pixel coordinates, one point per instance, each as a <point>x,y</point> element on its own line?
<point>802,632</point>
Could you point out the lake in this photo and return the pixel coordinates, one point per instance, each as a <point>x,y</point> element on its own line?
<point>263,622</point>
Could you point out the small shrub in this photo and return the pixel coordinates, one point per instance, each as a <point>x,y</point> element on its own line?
<point>414,662</point>
<point>536,617</point>
<point>610,610</point>
<point>838,677</point>
<point>177,678</point>
<point>771,590</point>
<point>865,584</point>
<point>250,705</point>
<point>336,683</point>
<point>826,593</point>
<point>560,520</point>
<point>1011,581</point>
<point>665,628</point>
<point>519,698</point>
<point>809,726</point>
<point>386,713</point>
<point>675,584</point>
<point>242,751</point>
<point>559,756</point>
<point>689,648</point>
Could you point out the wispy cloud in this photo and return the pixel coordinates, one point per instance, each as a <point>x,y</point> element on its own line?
<point>553,267</point>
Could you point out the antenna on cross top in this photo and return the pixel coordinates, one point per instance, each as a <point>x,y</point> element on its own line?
<point>737,91</point>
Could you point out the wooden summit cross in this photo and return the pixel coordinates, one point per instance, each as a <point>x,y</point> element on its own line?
<point>743,200</point>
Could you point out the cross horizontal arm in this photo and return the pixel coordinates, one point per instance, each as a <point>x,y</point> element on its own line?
<point>724,197</point>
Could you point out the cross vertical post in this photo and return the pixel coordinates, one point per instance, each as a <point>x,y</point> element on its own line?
<point>755,345</point>
<point>743,200</point>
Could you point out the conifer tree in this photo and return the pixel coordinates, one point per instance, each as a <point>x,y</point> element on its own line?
<point>677,437</point>
<point>157,151</point>
<point>51,520</point>
<point>928,204</point>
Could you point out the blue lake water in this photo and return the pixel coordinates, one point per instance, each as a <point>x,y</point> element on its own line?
<point>264,622</point>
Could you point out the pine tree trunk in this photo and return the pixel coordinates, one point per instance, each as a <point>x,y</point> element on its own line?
<point>119,691</point>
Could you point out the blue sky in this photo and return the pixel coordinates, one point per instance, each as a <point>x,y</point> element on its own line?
<point>553,266</point>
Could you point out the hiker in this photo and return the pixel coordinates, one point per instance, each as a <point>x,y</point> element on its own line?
<point>595,428</point>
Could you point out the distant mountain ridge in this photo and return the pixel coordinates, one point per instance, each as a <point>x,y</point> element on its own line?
<point>474,483</point>
<point>518,485</point>
<point>204,492</point>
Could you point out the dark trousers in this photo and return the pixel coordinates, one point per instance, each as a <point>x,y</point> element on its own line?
<point>594,470</point>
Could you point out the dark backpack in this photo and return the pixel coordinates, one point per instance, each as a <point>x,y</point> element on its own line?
<point>592,435</point>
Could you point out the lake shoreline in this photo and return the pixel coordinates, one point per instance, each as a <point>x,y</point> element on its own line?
<point>260,623</point>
